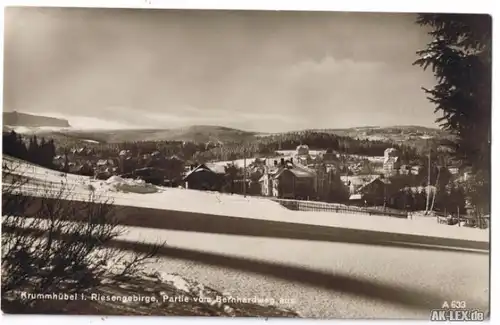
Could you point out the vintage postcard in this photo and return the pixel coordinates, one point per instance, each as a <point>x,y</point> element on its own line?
<point>246,163</point>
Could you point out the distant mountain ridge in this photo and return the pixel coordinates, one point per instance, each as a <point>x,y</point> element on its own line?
<point>195,133</point>
<point>49,126</point>
<point>29,120</point>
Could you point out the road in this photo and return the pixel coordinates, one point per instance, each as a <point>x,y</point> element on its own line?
<point>326,279</point>
<point>327,271</point>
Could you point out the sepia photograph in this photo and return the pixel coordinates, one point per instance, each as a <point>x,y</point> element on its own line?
<point>246,163</point>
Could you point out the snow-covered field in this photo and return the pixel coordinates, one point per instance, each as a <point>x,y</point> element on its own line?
<point>293,152</point>
<point>287,154</point>
<point>313,153</point>
<point>35,130</point>
<point>138,194</point>
<point>90,141</point>
<point>240,163</point>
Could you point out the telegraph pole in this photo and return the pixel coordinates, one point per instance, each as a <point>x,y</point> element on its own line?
<point>428,185</point>
<point>244,172</point>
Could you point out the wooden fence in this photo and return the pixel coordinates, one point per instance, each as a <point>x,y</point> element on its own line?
<point>299,205</point>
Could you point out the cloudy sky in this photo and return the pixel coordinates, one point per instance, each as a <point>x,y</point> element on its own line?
<point>262,71</point>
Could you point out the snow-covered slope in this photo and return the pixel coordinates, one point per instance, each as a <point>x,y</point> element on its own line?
<point>214,203</point>
<point>28,130</point>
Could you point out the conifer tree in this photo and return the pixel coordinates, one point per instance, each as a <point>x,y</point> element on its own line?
<point>460,58</point>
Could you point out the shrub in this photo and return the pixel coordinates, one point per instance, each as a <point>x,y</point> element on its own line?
<point>54,240</point>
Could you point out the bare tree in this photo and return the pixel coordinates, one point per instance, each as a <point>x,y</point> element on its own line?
<point>435,190</point>
<point>55,239</point>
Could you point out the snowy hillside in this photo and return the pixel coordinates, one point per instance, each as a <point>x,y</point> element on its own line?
<point>138,194</point>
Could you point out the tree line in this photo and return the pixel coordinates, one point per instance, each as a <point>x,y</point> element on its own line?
<point>257,147</point>
<point>40,152</point>
<point>410,192</point>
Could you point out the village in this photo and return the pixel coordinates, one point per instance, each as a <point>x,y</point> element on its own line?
<point>325,176</point>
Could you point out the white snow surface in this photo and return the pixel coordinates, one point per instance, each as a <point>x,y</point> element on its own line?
<point>118,184</point>
<point>37,129</point>
<point>177,281</point>
<point>240,163</point>
<point>294,152</point>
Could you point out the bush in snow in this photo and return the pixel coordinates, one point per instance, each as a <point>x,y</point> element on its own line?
<point>52,243</point>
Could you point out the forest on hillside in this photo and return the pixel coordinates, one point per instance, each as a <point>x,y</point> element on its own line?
<point>264,146</point>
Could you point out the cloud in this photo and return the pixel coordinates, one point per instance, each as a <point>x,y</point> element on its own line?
<point>90,123</point>
<point>247,70</point>
<point>129,118</point>
<point>328,65</point>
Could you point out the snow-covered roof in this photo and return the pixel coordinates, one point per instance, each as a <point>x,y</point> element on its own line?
<point>102,162</point>
<point>419,189</point>
<point>378,179</point>
<point>175,157</point>
<point>358,179</point>
<point>214,168</point>
<point>390,151</point>
<point>297,172</point>
<point>355,197</point>
<point>301,173</point>
<point>391,159</point>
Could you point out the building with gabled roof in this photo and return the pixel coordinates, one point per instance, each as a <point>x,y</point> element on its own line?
<point>373,192</point>
<point>288,180</point>
<point>391,162</point>
<point>204,177</point>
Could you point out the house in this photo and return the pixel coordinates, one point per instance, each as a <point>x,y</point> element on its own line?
<point>204,177</point>
<point>266,184</point>
<point>304,160</point>
<point>102,163</point>
<point>150,175</point>
<point>105,163</point>
<point>124,153</point>
<point>355,182</point>
<point>391,162</point>
<point>80,169</point>
<point>330,158</point>
<point>127,164</point>
<point>329,185</point>
<point>156,155</point>
<point>356,199</point>
<point>374,193</point>
<point>288,180</point>
<point>416,170</point>
<point>302,150</point>
<point>293,182</point>
<point>405,170</point>
<point>59,160</point>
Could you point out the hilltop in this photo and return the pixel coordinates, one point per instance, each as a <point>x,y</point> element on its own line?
<point>210,133</point>
<point>411,135</point>
<point>17,119</point>
<point>398,133</point>
<point>195,133</point>
<point>61,129</point>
